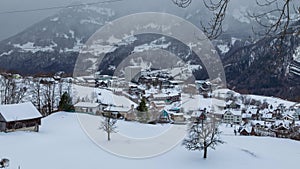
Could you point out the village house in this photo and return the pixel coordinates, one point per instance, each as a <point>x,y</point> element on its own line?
<point>288,117</point>
<point>232,116</point>
<point>164,117</point>
<point>204,87</point>
<point>232,105</point>
<point>167,97</point>
<point>267,115</point>
<point>117,111</point>
<point>297,114</point>
<point>23,116</point>
<point>87,107</point>
<point>174,115</point>
<point>247,130</point>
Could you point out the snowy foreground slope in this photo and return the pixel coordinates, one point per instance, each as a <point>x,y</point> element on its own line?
<point>61,143</point>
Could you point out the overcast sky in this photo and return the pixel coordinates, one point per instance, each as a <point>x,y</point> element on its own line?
<point>13,23</point>
<point>16,22</point>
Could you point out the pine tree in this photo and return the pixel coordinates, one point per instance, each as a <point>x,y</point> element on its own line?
<point>142,106</point>
<point>65,103</point>
<point>203,134</point>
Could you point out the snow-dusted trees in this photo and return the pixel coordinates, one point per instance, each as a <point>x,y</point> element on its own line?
<point>203,134</point>
<point>108,125</point>
<point>12,89</point>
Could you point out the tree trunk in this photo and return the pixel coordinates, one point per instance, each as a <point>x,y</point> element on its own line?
<point>205,153</point>
<point>205,150</point>
<point>108,129</point>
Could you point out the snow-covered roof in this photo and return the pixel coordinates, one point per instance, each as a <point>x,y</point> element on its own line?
<point>159,102</point>
<point>109,98</point>
<point>196,113</point>
<point>246,115</point>
<point>267,115</point>
<point>247,128</point>
<point>17,112</point>
<point>258,122</point>
<point>252,110</point>
<point>234,112</point>
<point>165,95</point>
<point>117,109</point>
<point>86,104</point>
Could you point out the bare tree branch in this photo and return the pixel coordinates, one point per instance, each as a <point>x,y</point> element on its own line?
<point>218,7</point>
<point>182,3</point>
<point>275,16</point>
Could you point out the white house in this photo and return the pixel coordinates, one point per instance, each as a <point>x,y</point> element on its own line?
<point>232,116</point>
<point>87,107</point>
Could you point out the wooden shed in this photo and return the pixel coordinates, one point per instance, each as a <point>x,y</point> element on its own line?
<point>23,116</point>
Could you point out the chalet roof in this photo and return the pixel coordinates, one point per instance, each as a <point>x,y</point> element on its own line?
<point>267,115</point>
<point>17,112</point>
<point>254,122</point>
<point>247,128</point>
<point>86,104</point>
<point>117,109</point>
<point>252,110</point>
<point>234,112</point>
<point>246,115</point>
<point>109,98</point>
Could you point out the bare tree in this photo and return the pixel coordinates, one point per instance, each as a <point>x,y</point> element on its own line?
<point>275,16</point>
<point>213,28</point>
<point>182,3</point>
<point>108,125</point>
<point>12,90</point>
<point>48,96</point>
<point>203,134</point>
<point>37,94</point>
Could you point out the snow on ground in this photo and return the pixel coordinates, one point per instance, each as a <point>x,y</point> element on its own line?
<point>61,143</point>
<point>223,48</point>
<point>107,97</point>
<point>197,101</point>
<point>31,47</point>
<point>6,53</point>
<point>54,19</point>
<point>272,100</point>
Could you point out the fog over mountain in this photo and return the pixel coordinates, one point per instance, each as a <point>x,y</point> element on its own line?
<point>13,23</point>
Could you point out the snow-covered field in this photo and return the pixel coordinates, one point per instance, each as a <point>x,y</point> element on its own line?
<point>62,143</point>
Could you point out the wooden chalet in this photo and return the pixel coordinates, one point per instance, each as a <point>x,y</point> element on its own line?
<point>247,131</point>
<point>23,116</point>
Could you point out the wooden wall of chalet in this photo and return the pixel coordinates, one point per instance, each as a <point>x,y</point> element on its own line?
<point>31,124</point>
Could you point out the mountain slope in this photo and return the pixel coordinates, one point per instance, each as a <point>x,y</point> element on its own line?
<point>52,44</point>
<point>263,68</point>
